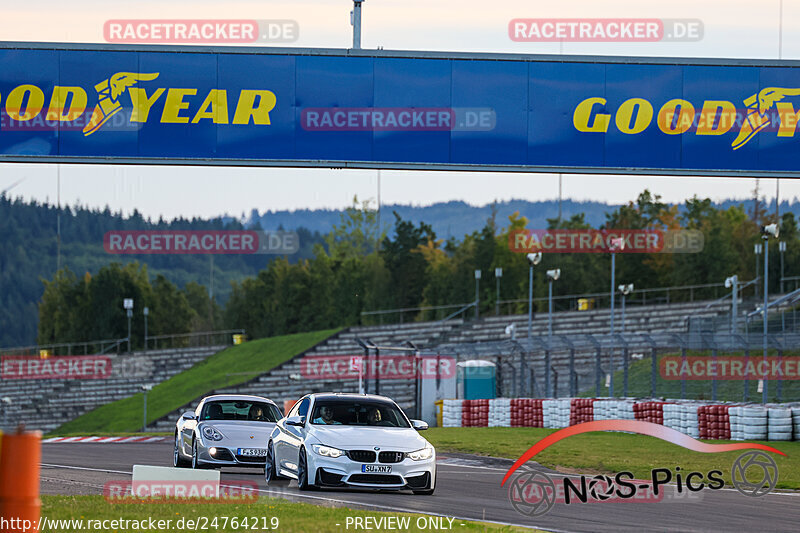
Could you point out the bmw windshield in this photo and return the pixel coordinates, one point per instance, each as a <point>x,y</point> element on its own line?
<point>358,413</point>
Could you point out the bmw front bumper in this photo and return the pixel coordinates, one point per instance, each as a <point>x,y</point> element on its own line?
<point>344,471</point>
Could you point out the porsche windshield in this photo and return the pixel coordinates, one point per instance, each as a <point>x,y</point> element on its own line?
<point>240,410</point>
<point>347,413</point>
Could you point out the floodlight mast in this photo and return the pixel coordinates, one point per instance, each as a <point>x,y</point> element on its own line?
<point>533,260</point>
<point>766,231</point>
<point>356,22</point>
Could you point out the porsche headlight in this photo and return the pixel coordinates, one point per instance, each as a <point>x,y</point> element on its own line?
<point>421,455</point>
<point>327,451</point>
<point>211,433</point>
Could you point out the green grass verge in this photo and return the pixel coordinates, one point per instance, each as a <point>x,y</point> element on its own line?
<point>605,452</point>
<point>639,372</point>
<point>292,517</point>
<point>256,356</point>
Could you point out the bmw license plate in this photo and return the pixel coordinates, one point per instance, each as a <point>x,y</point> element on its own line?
<point>252,452</point>
<point>376,469</point>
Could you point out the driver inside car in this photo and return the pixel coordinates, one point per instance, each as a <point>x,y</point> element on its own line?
<point>376,419</point>
<point>256,413</point>
<point>326,416</point>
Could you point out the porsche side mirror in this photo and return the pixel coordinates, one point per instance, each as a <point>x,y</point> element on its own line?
<point>188,415</point>
<point>419,425</point>
<point>298,421</point>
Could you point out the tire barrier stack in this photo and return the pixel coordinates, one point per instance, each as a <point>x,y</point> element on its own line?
<point>581,410</point>
<point>613,410</point>
<point>796,421</point>
<point>748,422</point>
<point>683,418</point>
<point>779,423</point>
<point>556,413</point>
<point>714,421</point>
<point>528,413</point>
<point>698,419</point>
<point>475,413</point>
<point>451,413</point>
<point>500,412</point>
<point>649,412</point>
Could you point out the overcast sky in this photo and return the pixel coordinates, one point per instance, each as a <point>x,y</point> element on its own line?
<point>732,28</point>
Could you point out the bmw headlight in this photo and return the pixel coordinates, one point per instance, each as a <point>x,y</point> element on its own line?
<point>211,433</point>
<point>421,455</point>
<point>326,451</point>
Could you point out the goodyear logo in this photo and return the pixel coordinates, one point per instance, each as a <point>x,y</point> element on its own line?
<point>765,111</point>
<point>26,103</point>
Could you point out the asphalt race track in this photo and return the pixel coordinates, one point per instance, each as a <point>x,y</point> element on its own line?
<point>468,488</point>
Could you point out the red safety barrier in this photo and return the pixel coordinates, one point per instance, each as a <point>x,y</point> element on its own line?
<point>714,421</point>
<point>527,412</point>
<point>649,411</point>
<point>581,410</point>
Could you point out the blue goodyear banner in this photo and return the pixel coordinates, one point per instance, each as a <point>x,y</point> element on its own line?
<point>340,108</point>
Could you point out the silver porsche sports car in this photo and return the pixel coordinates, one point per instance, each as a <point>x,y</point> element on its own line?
<point>225,430</point>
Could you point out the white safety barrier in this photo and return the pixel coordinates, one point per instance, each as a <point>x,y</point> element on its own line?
<point>696,418</point>
<point>500,412</point>
<point>753,422</point>
<point>779,423</point>
<point>682,417</point>
<point>613,410</point>
<point>451,413</point>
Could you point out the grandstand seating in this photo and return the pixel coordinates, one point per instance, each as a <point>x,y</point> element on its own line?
<point>46,404</point>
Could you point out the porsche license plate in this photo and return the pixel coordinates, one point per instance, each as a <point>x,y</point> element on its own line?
<point>252,452</point>
<point>376,469</point>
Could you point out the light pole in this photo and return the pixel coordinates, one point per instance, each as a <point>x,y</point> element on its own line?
<point>732,283</point>
<point>757,248</point>
<point>766,231</point>
<point>552,275</point>
<point>782,248</point>
<point>146,312</point>
<point>477,292</point>
<point>145,389</point>
<point>498,273</point>
<point>356,22</point>
<point>616,245</point>
<point>625,290</point>
<point>127,304</point>
<point>533,260</point>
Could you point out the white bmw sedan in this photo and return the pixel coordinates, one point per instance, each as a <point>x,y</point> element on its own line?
<point>225,430</point>
<point>356,440</point>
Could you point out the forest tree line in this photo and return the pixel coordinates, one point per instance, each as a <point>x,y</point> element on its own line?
<point>356,269</point>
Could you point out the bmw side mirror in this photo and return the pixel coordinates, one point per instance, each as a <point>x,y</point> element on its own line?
<point>298,421</point>
<point>188,415</point>
<point>419,425</point>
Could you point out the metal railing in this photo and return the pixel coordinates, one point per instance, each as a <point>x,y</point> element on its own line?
<point>185,340</point>
<point>630,365</point>
<point>656,295</point>
<point>118,346</point>
<point>69,348</point>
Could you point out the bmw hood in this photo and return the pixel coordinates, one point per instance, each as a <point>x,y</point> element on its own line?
<point>359,437</point>
<point>240,433</point>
